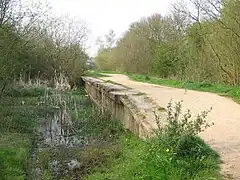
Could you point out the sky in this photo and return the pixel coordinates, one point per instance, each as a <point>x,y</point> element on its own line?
<point>103,15</point>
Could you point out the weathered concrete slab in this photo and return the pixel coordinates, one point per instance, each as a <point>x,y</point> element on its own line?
<point>136,110</point>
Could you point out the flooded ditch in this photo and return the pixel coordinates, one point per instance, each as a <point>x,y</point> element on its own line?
<point>71,141</point>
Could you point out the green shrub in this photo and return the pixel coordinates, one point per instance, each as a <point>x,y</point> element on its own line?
<point>183,124</point>
<point>193,147</point>
<point>181,128</point>
<point>176,152</point>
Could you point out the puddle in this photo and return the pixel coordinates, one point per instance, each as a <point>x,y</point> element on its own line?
<point>57,149</point>
<point>68,144</point>
<point>56,131</point>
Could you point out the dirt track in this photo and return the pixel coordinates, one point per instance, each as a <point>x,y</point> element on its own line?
<point>224,136</point>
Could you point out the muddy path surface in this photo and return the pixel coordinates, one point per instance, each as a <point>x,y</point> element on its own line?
<point>224,136</point>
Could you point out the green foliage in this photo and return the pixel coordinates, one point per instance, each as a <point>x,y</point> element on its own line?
<point>35,46</point>
<point>182,125</point>
<point>160,162</point>
<point>181,132</point>
<point>174,153</point>
<point>104,60</point>
<point>10,44</point>
<point>177,152</point>
<point>194,147</point>
<point>201,49</point>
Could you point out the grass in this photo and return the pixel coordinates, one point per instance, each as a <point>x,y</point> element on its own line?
<point>21,116</point>
<point>14,154</point>
<point>116,154</point>
<point>151,159</point>
<point>91,158</point>
<point>223,90</point>
<point>174,153</point>
<point>17,125</point>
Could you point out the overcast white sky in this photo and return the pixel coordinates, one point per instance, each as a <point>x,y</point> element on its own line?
<point>103,15</point>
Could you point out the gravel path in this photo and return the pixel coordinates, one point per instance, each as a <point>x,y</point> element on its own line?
<point>224,136</point>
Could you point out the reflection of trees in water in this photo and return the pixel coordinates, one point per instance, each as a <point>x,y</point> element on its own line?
<point>59,130</point>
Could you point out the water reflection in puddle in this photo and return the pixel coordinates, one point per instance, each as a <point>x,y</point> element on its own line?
<point>58,131</point>
<point>58,142</point>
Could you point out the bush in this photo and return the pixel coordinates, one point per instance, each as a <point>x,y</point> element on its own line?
<point>166,156</point>
<point>181,127</point>
<point>183,124</point>
<point>193,147</point>
<point>176,152</point>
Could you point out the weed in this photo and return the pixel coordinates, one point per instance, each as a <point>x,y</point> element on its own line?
<point>175,152</point>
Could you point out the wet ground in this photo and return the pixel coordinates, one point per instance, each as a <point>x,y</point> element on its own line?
<point>68,148</point>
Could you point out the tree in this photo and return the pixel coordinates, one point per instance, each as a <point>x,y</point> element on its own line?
<point>198,41</point>
<point>219,26</point>
<point>32,43</point>
<point>104,60</point>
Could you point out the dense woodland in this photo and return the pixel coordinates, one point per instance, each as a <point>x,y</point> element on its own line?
<point>34,44</point>
<point>198,41</point>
